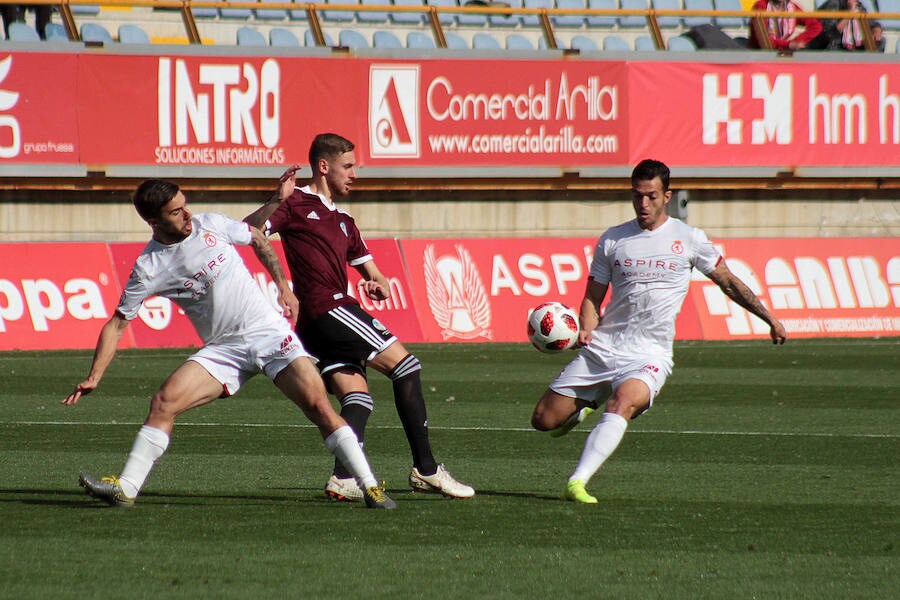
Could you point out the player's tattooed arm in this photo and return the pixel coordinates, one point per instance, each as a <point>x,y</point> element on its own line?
<point>737,290</point>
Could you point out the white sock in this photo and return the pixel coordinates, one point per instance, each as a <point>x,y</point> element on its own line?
<point>149,445</point>
<point>601,442</point>
<point>344,445</point>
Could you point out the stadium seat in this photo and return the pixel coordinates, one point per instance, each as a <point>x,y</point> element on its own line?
<point>471,19</point>
<point>365,16</point>
<point>729,22</point>
<point>55,32</point>
<point>485,41</point>
<point>203,12</point>
<point>614,43</point>
<point>132,34</point>
<point>350,38</point>
<point>455,41</point>
<point>542,44</point>
<point>604,21</point>
<point>247,36</point>
<point>643,43</point>
<point>583,43</point>
<point>667,21</point>
<point>93,32</point>
<point>696,21</point>
<point>85,9</point>
<point>340,16</point>
<point>517,41</point>
<point>298,14</point>
<point>235,13</point>
<point>889,6</point>
<point>407,18</point>
<point>22,32</point>
<point>637,21</point>
<point>534,20</point>
<point>417,39</point>
<point>568,20</point>
<point>504,20</point>
<point>385,39</point>
<point>270,14</point>
<point>445,18</point>
<point>310,40</point>
<point>279,36</point>
<point>678,43</point>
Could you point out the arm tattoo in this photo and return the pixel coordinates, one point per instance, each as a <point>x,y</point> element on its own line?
<point>266,255</point>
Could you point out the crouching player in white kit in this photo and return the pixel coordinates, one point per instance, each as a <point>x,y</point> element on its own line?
<point>193,261</point>
<point>648,262</point>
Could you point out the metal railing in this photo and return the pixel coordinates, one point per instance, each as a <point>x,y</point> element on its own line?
<point>433,14</point>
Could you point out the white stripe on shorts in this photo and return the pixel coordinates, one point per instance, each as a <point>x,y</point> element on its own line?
<point>360,327</point>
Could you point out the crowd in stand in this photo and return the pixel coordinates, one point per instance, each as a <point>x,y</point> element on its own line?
<point>785,33</point>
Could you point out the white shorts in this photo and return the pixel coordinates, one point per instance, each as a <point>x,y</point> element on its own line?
<point>263,350</point>
<point>592,374</point>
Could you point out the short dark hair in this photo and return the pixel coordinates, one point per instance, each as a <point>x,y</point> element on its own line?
<point>152,195</point>
<point>328,146</point>
<point>649,169</point>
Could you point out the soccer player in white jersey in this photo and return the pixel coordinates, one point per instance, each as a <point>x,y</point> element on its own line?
<point>627,354</point>
<point>192,260</point>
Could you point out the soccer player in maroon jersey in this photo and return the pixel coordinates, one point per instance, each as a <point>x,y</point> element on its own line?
<point>320,240</point>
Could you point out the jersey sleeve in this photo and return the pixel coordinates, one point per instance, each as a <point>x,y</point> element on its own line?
<point>600,268</point>
<point>134,294</point>
<point>235,232</point>
<point>357,252</point>
<point>706,257</point>
<point>279,220</point>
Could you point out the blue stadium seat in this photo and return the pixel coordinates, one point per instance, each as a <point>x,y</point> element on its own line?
<point>93,32</point>
<point>247,36</point>
<point>350,38</point>
<point>729,22</point>
<point>55,32</point>
<point>364,16</point>
<point>85,9</point>
<point>278,36</point>
<point>568,20</point>
<point>407,18</point>
<point>385,39</point>
<point>644,43</point>
<point>613,43</point>
<point>667,21</point>
<point>270,14</point>
<point>542,44</point>
<point>699,5</point>
<point>583,43</point>
<point>298,14</point>
<point>22,32</point>
<point>507,21</point>
<point>633,22</point>
<point>485,41</point>
<point>340,16</point>
<point>534,20</point>
<point>455,41</point>
<point>310,41</point>
<point>889,6</point>
<point>203,12</point>
<point>235,13</point>
<point>679,43</point>
<point>132,34</point>
<point>445,18</point>
<point>417,39</point>
<point>517,41</point>
<point>471,19</point>
<point>604,21</point>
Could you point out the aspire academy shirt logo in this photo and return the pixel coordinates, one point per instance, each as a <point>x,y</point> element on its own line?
<point>394,111</point>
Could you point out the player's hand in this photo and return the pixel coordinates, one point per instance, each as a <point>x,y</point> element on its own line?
<point>375,290</point>
<point>584,338</point>
<point>82,389</point>
<point>778,333</point>
<point>287,182</point>
<point>290,306</point>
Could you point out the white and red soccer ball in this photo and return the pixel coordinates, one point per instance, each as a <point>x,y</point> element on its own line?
<point>553,327</point>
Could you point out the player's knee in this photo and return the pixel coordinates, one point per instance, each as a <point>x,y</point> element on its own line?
<point>540,419</point>
<point>163,404</point>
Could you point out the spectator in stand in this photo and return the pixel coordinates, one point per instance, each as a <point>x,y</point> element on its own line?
<point>845,34</point>
<point>16,12</point>
<point>783,31</point>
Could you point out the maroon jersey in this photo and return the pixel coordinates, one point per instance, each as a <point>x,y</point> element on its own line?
<point>318,242</point>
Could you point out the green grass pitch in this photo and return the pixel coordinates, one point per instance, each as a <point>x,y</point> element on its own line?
<point>760,472</point>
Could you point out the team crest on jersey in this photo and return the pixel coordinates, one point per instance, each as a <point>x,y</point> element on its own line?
<point>677,247</point>
<point>378,325</point>
<point>456,295</point>
<point>210,239</point>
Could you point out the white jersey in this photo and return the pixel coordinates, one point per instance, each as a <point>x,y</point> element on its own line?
<point>650,272</point>
<point>205,276</point>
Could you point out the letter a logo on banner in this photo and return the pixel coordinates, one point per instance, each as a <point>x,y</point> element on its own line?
<point>394,111</point>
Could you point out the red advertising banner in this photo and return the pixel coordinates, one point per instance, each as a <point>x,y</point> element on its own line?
<point>771,114</point>
<point>816,287</point>
<point>38,108</point>
<point>55,296</point>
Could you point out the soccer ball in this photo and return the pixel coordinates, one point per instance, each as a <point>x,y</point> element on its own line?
<point>553,327</point>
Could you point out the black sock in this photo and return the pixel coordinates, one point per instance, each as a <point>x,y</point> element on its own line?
<point>410,405</point>
<point>355,409</point>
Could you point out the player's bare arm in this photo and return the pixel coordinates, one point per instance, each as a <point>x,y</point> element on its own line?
<point>589,314</point>
<point>738,291</point>
<point>286,184</point>
<point>376,285</point>
<point>104,353</point>
<point>266,255</point>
